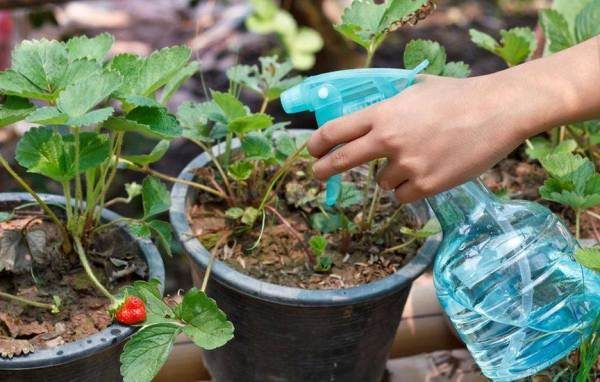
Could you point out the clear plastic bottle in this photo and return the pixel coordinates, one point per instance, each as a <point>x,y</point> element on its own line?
<point>506,277</point>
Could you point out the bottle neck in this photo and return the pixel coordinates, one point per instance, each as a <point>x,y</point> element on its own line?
<point>455,206</point>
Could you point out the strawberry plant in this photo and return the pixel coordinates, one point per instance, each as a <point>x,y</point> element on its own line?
<point>266,183</point>
<point>301,43</point>
<point>82,106</point>
<point>565,24</point>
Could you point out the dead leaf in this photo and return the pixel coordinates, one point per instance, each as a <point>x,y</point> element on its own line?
<point>13,252</point>
<point>11,323</point>
<point>32,328</point>
<point>10,347</point>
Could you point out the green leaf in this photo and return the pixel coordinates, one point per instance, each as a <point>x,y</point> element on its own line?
<point>569,167</point>
<point>483,40</point>
<point>250,215</point>
<point>92,118</point>
<point>14,109</point>
<point>302,47</point>
<point>515,47</point>
<point>542,147</point>
<point>274,77</point>
<point>207,325</point>
<point>195,117</point>
<point>152,122</point>
<point>139,229</point>
<point>13,83</point>
<point>44,151</point>
<point>178,80</point>
<point>250,123</point>
<point>588,257</point>
<point>48,115</point>
<point>79,98</point>
<point>80,70</point>
<point>94,149</point>
<point>144,76</point>
<point>324,264</point>
<point>457,70</point>
<point>432,227</point>
<point>318,244</point>
<point>556,30</point>
<point>147,351</point>
<point>94,48</point>
<point>234,213</point>
<point>587,22</point>
<point>232,108</point>
<point>326,223</point>
<point>245,75</point>
<point>42,62</point>
<point>418,50</point>
<point>138,100</point>
<point>257,147</point>
<point>268,18</point>
<point>569,9</point>
<point>366,22</point>
<point>240,170</point>
<point>163,233</point>
<point>157,153</point>
<point>349,196</point>
<point>155,197</point>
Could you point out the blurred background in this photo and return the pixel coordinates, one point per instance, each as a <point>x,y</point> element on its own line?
<point>219,37</point>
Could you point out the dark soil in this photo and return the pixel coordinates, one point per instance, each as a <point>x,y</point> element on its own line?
<point>280,258</point>
<point>33,266</point>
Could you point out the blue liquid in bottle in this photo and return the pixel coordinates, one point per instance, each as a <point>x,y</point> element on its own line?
<point>506,277</point>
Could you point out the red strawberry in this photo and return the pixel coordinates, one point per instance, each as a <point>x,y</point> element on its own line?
<point>132,311</point>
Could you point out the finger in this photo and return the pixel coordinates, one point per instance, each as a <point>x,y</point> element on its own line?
<point>392,175</point>
<point>346,157</point>
<point>409,192</point>
<point>338,131</point>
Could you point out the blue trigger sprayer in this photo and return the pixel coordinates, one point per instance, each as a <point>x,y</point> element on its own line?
<point>333,95</point>
<point>504,272</point>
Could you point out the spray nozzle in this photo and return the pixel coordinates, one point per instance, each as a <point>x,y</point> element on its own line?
<point>335,94</point>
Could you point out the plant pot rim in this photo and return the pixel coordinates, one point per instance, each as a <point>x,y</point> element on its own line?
<point>222,273</point>
<point>110,336</point>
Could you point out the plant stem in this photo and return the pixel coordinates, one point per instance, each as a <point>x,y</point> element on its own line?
<point>282,171</point>
<point>89,271</point>
<point>66,241</point>
<point>214,160</point>
<point>265,103</point>
<point>374,203</point>
<point>211,260</point>
<point>25,301</point>
<point>111,177</point>
<point>78,188</point>
<point>397,247</point>
<point>365,203</point>
<point>149,171</point>
<point>390,220</point>
<point>370,54</point>
<point>577,223</point>
<point>68,206</point>
<point>116,200</point>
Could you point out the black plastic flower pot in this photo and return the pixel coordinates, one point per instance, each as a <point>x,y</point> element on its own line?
<point>95,358</point>
<point>285,334</point>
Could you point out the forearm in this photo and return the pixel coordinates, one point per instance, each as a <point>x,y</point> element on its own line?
<point>552,91</point>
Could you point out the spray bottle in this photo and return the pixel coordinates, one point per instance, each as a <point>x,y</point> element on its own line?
<point>504,272</point>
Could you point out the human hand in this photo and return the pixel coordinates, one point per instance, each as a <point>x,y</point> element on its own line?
<point>435,135</point>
